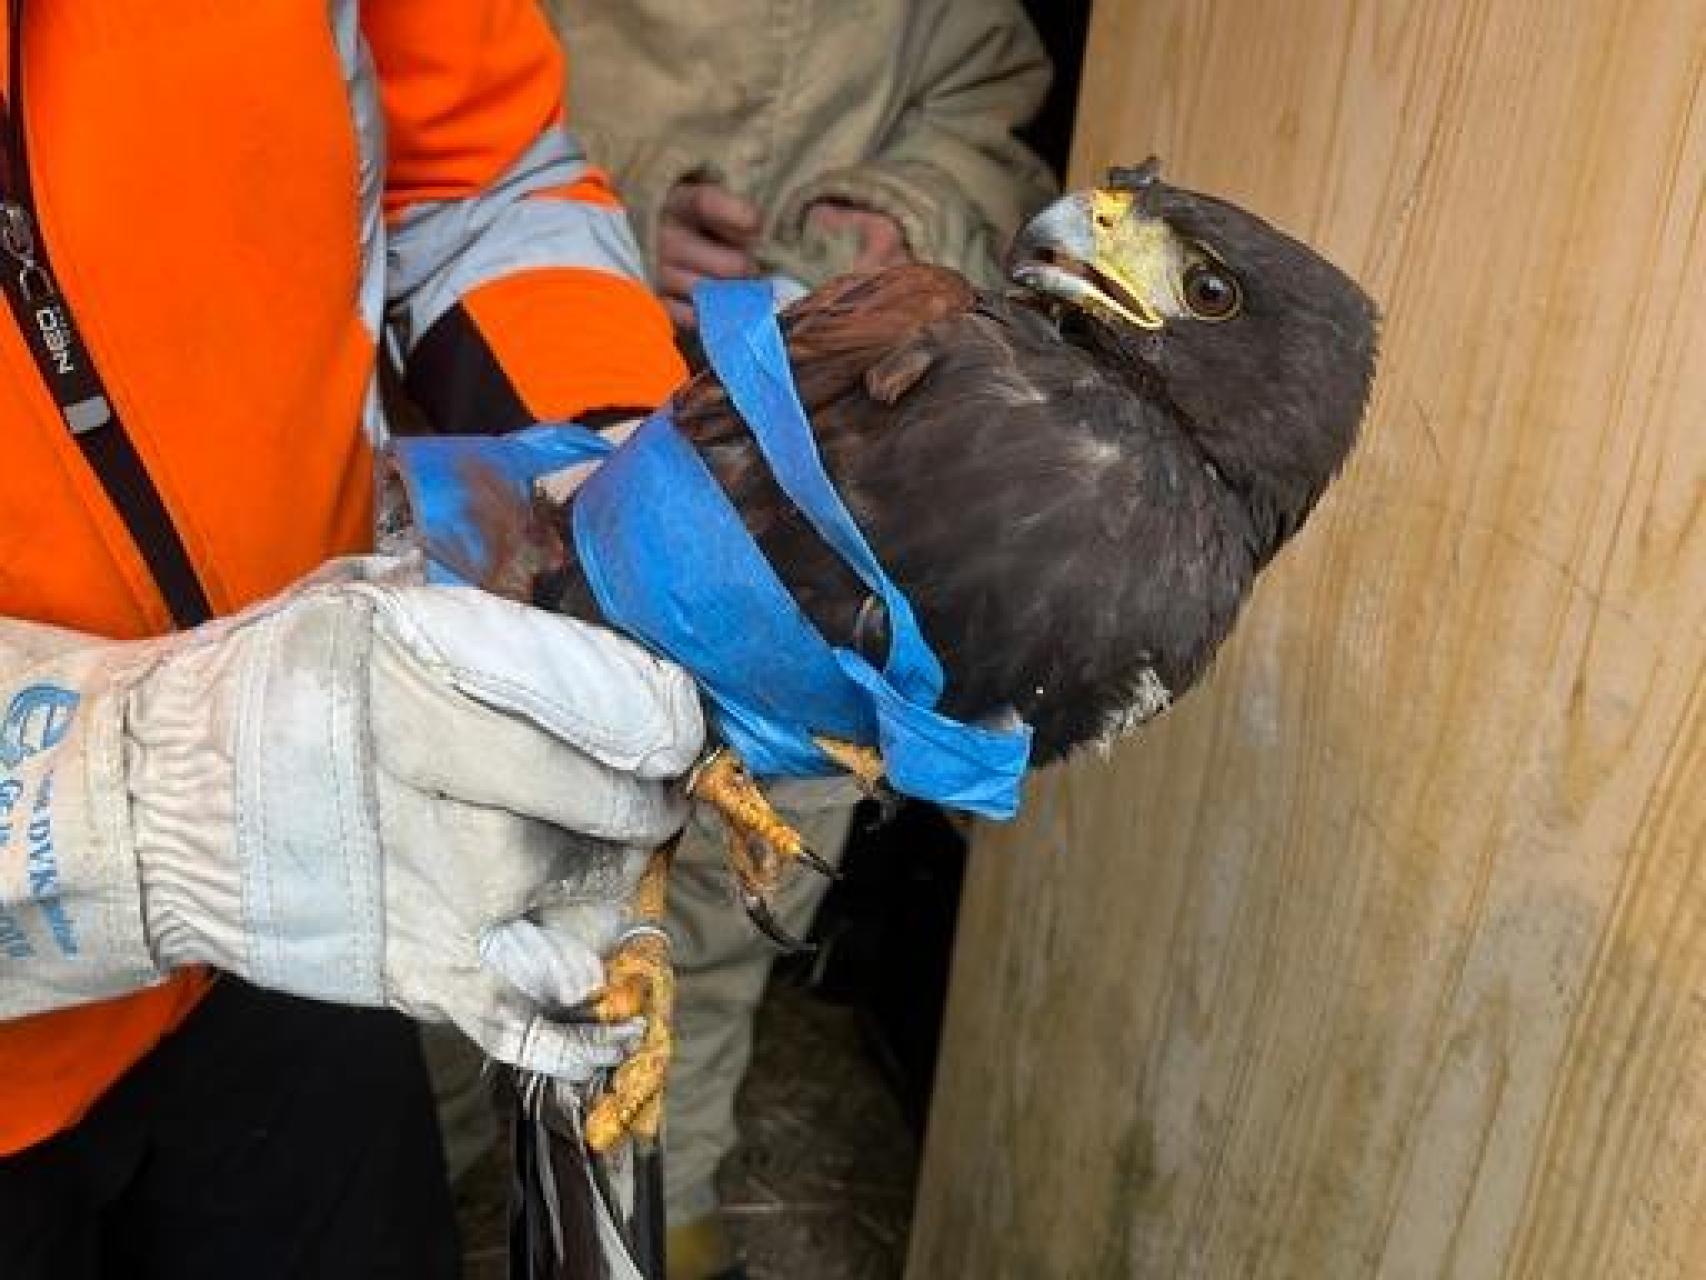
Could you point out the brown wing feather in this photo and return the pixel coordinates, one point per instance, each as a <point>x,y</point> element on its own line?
<point>1074,512</point>
<point>836,337</point>
<point>856,346</point>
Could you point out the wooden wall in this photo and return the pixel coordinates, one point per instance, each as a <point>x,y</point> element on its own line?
<point>1386,954</point>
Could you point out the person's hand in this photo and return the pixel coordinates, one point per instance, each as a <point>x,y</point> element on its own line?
<point>882,243</point>
<point>704,230</point>
<point>374,791</point>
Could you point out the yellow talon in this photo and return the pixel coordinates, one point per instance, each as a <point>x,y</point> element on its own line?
<point>723,783</point>
<point>640,983</point>
<point>727,787</point>
<point>634,1101</point>
<point>864,763</point>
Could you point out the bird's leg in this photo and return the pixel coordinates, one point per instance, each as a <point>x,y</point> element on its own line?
<point>864,763</point>
<point>767,843</point>
<point>640,983</point>
<point>761,842</point>
<point>640,980</point>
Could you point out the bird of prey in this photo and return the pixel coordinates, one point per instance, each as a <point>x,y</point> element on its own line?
<point>1074,481</point>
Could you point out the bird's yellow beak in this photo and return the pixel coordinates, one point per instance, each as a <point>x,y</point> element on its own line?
<point>1100,251</point>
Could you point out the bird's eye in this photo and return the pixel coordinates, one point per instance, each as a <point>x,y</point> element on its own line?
<point>1211,292</point>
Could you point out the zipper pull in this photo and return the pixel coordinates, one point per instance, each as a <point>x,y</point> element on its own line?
<point>52,337</point>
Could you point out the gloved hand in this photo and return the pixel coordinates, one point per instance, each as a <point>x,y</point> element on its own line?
<point>365,790</point>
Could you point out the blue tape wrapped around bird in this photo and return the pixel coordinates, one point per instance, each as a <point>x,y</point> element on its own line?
<point>936,535</point>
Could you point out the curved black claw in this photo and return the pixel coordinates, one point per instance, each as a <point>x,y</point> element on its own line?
<point>826,869</point>
<point>758,911</point>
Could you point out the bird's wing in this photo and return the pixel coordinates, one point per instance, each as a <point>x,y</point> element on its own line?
<point>841,341</point>
<point>1055,533</point>
<point>856,347</point>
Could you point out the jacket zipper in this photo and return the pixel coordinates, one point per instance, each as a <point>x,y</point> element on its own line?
<point>65,366</point>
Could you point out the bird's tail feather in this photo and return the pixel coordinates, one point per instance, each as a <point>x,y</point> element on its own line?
<point>566,1204</point>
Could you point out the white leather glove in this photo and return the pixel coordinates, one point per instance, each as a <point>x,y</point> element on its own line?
<point>365,790</point>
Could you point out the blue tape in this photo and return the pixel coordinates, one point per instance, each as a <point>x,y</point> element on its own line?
<point>670,562</point>
<point>682,574</point>
<point>745,348</point>
<point>435,471</point>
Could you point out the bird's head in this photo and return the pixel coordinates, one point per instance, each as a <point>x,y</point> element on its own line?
<point>1260,348</point>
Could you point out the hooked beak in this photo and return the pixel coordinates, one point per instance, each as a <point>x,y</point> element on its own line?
<point>1099,251</point>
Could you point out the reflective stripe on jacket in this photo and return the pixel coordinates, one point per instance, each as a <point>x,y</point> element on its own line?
<point>238,200</point>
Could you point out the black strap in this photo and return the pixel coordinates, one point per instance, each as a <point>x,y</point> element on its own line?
<point>68,369</point>
<point>128,484</point>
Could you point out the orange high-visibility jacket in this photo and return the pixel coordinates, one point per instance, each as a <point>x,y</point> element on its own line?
<point>239,200</point>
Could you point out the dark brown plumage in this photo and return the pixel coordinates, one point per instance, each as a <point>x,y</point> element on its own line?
<point>1076,505</point>
<point>1075,482</point>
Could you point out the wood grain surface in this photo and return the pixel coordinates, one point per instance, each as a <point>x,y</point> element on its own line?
<point>1385,955</point>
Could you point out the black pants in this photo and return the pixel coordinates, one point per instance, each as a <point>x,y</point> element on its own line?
<point>267,1137</point>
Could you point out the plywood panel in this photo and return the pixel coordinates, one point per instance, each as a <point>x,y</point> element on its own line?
<point>1386,954</point>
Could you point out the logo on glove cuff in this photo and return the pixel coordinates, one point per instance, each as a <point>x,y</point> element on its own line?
<point>37,719</point>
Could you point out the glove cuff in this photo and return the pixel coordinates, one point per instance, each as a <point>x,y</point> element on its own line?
<point>71,917</point>
<point>248,762</point>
